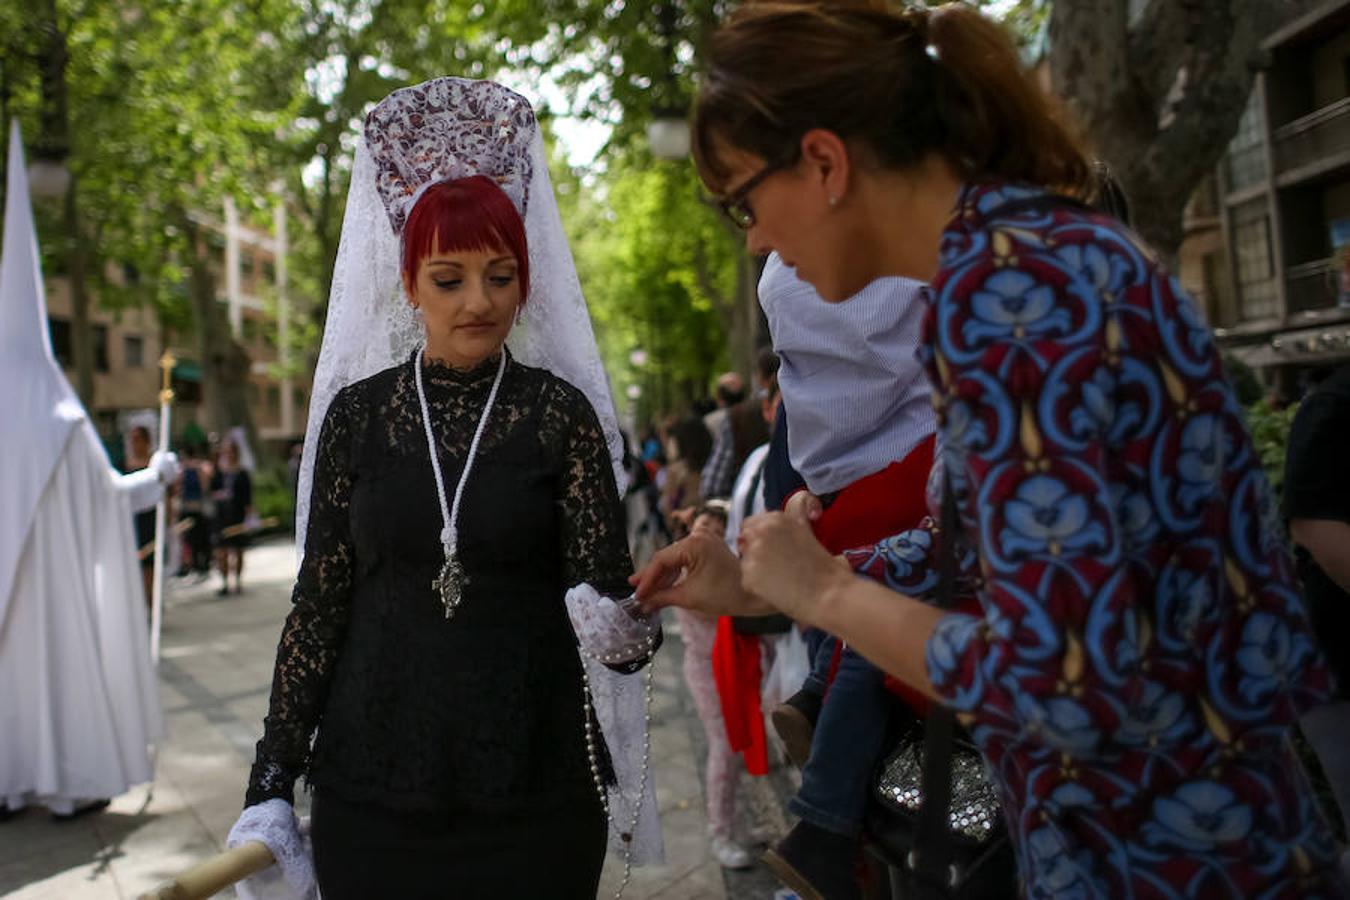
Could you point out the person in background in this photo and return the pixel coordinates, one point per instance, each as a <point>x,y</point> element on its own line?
<point>1317,507</point>
<point>139,450</point>
<point>687,447</point>
<point>861,435</point>
<point>729,391</point>
<point>232,492</point>
<point>721,774</point>
<point>79,707</point>
<point>293,463</point>
<point>195,505</point>
<point>741,430</point>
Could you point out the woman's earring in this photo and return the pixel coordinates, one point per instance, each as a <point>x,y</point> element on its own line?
<point>833,201</point>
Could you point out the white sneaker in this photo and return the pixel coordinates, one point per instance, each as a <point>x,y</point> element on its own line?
<point>729,854</point>
<point>763,833</point>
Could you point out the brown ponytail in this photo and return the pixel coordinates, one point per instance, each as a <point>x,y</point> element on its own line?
<point>905,83</point>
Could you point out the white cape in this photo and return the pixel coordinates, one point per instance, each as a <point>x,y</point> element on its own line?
<point>80,708</point>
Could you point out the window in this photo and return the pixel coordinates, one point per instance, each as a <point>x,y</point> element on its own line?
<point>100,334</point>
<point>1255,261</point>
<point>1216,304</point>
<point>59,329</point>
<point>1247,152</point>
<point>133,351</point>
<point>273,399</point>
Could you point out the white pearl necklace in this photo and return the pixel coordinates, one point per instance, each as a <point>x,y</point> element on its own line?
<point>647,646</point>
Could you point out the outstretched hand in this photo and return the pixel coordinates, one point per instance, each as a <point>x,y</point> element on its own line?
<point>699,573</point>
<point>782,561</point>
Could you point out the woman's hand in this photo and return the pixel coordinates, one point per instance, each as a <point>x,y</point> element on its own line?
<point>805,506</point>
<point>782,563</point>
<point>699,573</point>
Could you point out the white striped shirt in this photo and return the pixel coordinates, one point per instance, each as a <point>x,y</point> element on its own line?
<point>857,398</point>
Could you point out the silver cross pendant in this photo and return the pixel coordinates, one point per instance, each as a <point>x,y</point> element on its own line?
<point>450,584</point>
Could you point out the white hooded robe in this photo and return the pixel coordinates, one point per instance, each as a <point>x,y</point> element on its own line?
<point>79,709</point>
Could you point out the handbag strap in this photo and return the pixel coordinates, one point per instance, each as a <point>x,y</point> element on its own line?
<point>933,850</point>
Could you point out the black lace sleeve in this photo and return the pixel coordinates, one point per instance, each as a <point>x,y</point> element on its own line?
<point>318,619</point>
<point>595,541</point>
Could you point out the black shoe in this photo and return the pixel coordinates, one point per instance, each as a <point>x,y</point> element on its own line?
<point>224,591</point>
<point>817,864</point>
<point>795,722</point>
<point>96,806</point>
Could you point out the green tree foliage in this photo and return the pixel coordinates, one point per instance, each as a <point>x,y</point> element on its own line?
<point>658,268</point>
<point>163,111</point>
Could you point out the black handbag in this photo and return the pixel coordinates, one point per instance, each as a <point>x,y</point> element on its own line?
<point>936,817</point>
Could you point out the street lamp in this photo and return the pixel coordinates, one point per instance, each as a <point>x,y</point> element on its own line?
<point>668,131</point>
<point>48,178</point>
<point>668,135</point>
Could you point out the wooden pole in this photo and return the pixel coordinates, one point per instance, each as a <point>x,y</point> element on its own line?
<point>217,873</point>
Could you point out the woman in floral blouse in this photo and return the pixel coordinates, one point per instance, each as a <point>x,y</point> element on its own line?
<point>1142,650</point>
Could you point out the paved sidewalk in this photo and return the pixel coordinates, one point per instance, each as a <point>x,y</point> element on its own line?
<point>215,675</point>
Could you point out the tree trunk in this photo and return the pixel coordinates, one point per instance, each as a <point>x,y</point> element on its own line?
<point>1160,96</point>
<point>740,327</point>
<point>53,145</point>
<point>225,364</point>
<point>81,331</point>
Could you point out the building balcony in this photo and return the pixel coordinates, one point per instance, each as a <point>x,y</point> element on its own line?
<point>1313,145</point>
<point>1310,288</point>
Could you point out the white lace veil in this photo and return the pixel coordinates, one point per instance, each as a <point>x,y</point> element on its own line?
<point>370,324</point>
<point>450,128</point>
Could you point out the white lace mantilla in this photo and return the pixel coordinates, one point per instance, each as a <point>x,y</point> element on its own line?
<point>371,325</point>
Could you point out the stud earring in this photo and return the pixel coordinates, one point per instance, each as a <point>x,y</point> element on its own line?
<point>833,201</point>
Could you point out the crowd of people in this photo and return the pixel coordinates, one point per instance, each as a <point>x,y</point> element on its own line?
<point>990,482</point>
<point>211,510</point>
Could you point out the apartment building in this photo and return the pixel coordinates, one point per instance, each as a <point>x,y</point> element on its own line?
<point>1268,240</point>
<point>250,269</point>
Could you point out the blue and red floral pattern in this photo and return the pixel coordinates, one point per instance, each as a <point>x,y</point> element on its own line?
<point>1143,649</point>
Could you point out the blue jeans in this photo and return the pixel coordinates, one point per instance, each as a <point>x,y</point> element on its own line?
<point>820,648</point>
<point>849,739</point>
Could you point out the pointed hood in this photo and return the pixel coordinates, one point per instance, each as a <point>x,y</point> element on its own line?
<point>38,406</point>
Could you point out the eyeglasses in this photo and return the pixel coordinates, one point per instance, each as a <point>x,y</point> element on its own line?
<point>736,205</point>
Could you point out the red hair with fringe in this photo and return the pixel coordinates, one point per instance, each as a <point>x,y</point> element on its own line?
<point>470,213</point>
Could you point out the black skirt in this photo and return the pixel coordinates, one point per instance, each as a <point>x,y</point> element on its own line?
<point>364,851</point>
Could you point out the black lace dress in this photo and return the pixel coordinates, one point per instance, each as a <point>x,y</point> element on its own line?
<point>459,743</point>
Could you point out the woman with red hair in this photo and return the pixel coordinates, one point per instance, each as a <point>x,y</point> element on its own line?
<point>464,535</point>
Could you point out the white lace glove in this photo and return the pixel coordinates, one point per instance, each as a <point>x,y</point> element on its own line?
<point>144,487</point>
<point>166,464</point>
<point>610,631</point>
<point>274,823</point>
